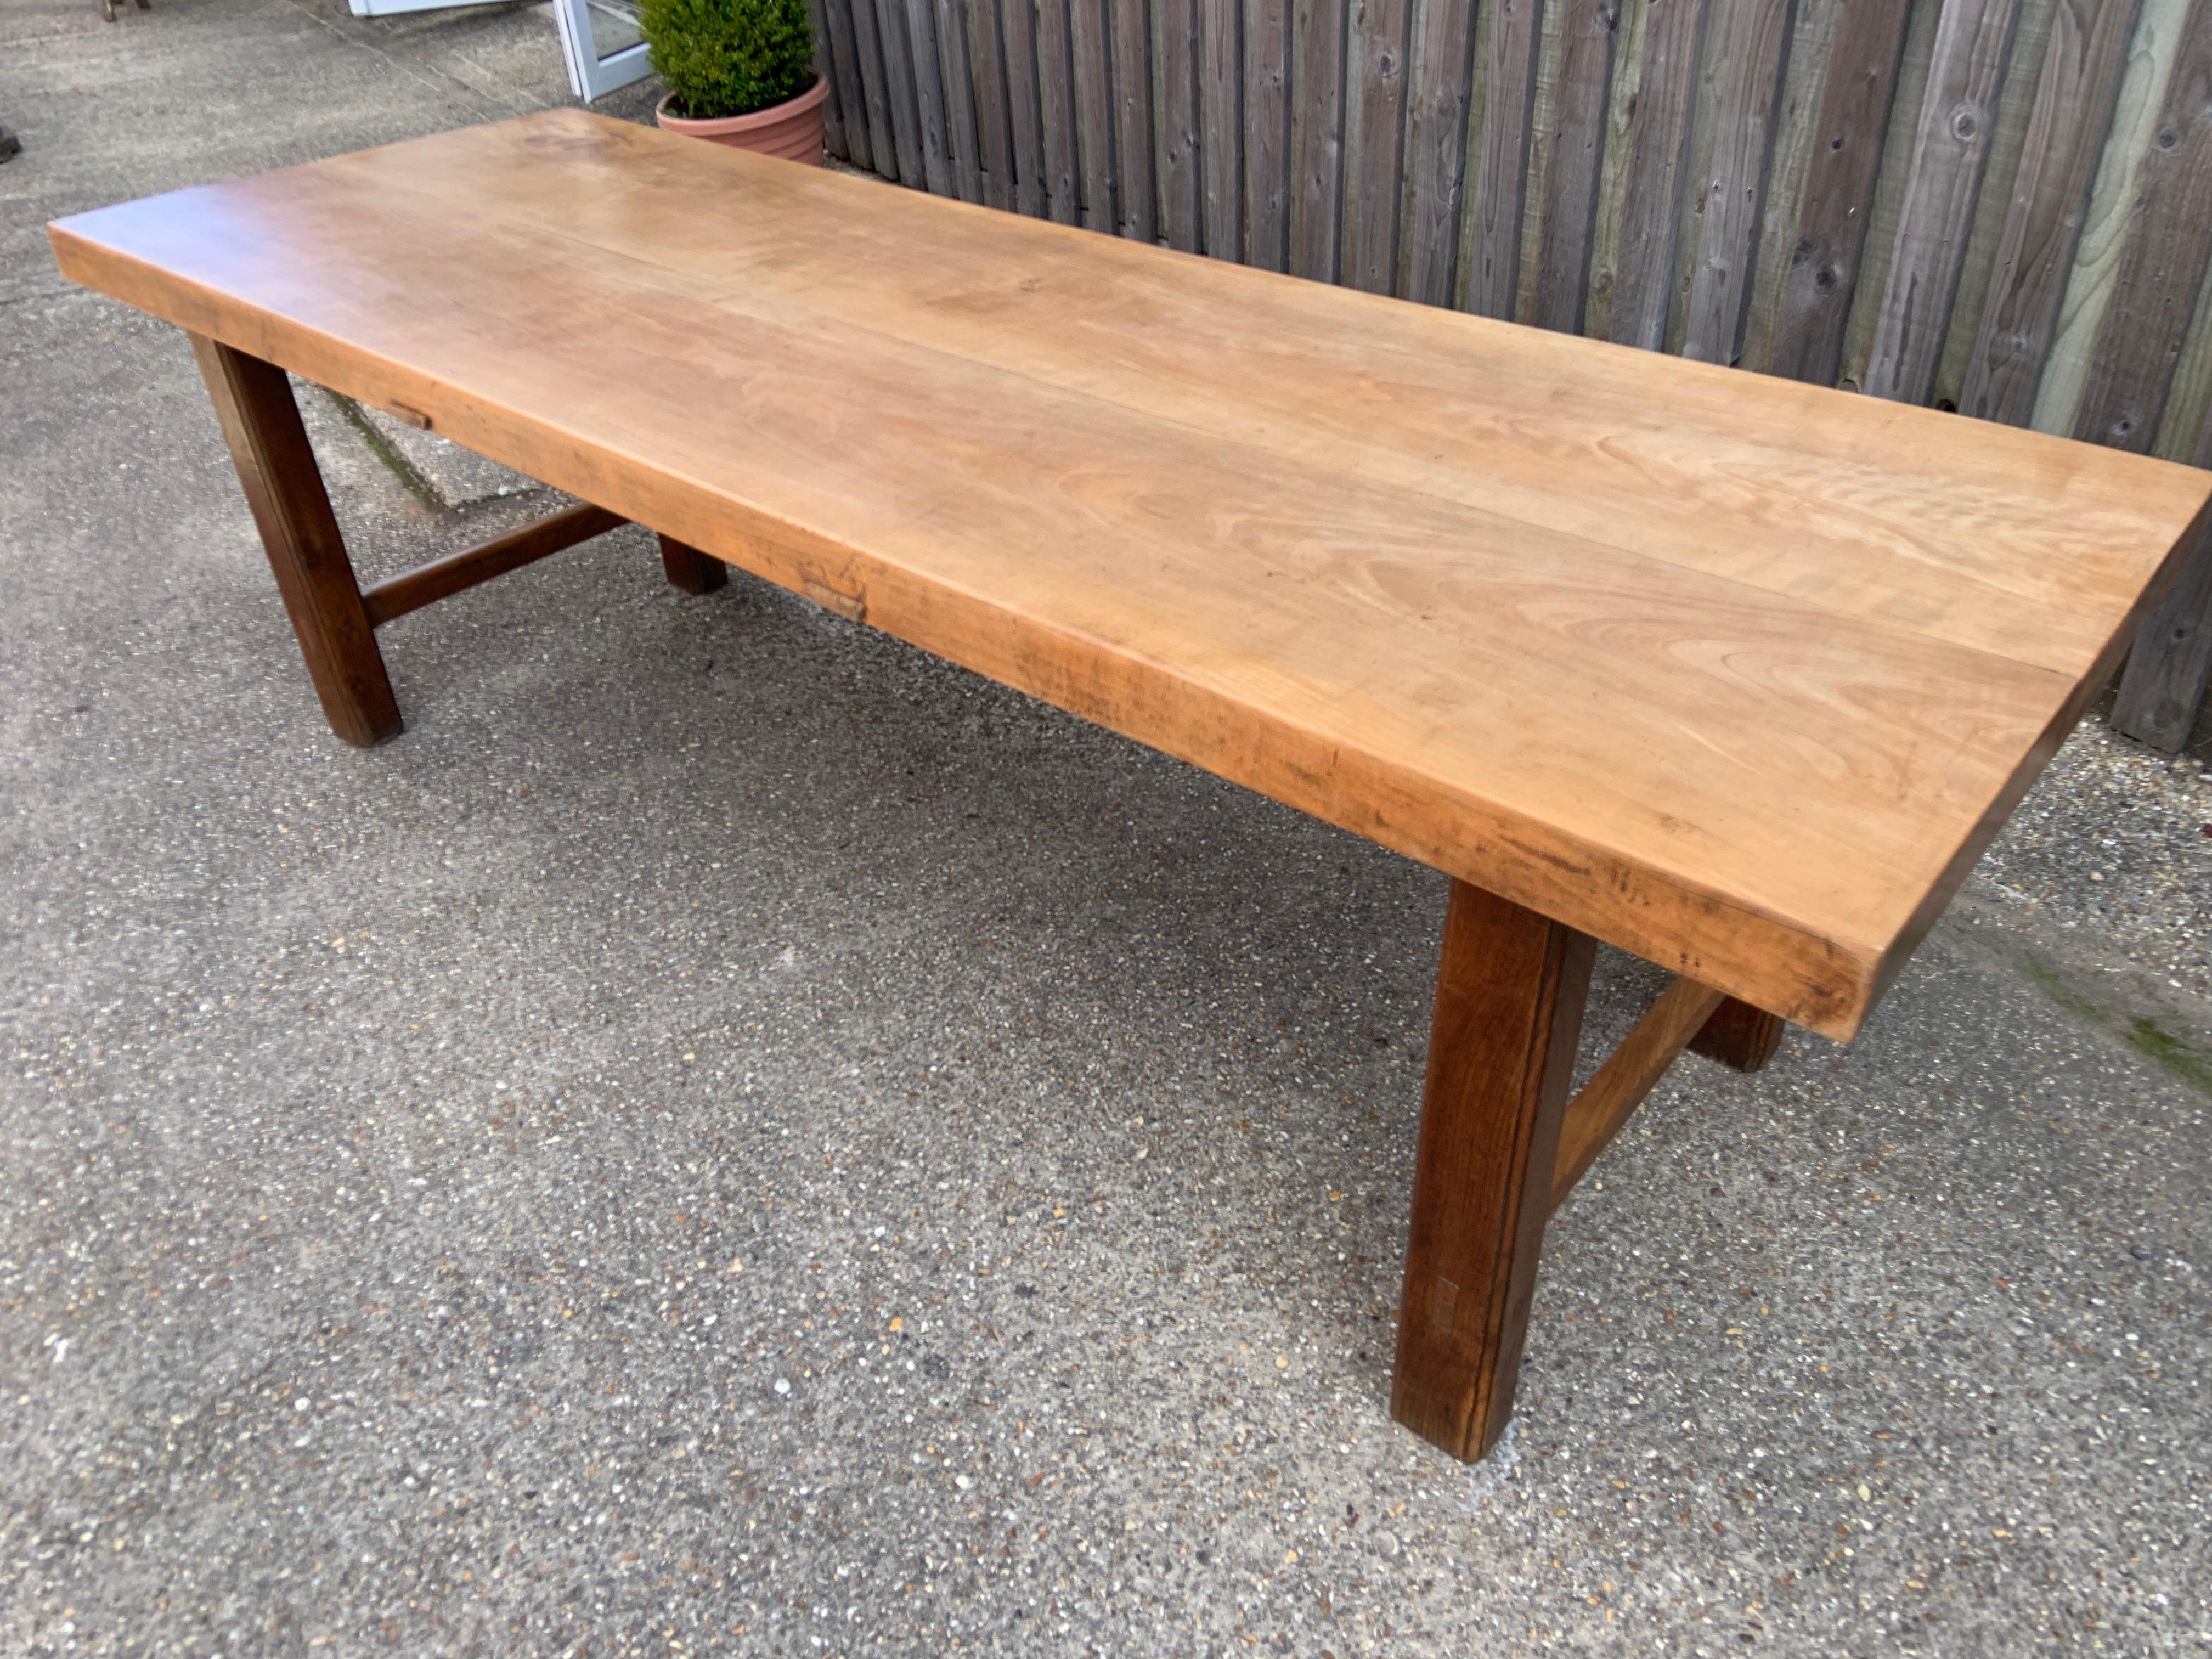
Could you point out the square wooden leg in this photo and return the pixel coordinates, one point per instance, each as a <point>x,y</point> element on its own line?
<point>284,486</point>
<point>1509,998</point>
<point>690,569</point>
<point>1740,1036</point>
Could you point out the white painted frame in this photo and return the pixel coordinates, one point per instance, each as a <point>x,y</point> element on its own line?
<point>590,74</point>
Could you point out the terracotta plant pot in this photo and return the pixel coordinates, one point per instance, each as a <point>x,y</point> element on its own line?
<point>792,129</point>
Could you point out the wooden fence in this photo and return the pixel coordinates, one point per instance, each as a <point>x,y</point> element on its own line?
<point>2002,207</point>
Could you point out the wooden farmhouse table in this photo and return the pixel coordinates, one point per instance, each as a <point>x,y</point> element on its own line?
<point>1738,674</point>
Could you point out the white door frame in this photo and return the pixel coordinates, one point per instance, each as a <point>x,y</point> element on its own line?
<point>590,76</point>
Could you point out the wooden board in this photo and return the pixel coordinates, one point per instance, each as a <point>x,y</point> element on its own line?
<point>1435,147</point>
<point>1508,127</point>
<point>1735,673</point>
<point>2066,135</point>
<point>1138,195</point>
<point>1958,116</point>
<point>1056,115</point>
<point>1743,128</point>
<point>1571,180</point>
<point>1267,134</point>
<point>1221,122</point>
<point>1375,119</point>
<point>2155,293</point>
<point>1317,135</point>
<point>1658,128</point>
<point>1816,297</point>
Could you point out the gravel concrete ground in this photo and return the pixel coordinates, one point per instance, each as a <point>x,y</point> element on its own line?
<point>734,1136</point>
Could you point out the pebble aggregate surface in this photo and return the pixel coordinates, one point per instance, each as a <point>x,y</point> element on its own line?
<point>732,1136</point>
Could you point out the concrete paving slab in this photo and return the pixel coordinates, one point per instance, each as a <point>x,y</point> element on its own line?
<point>734,1136</point>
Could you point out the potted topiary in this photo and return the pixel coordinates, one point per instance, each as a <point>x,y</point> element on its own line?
<point>739,72</point>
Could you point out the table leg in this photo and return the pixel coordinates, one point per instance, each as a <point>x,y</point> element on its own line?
<point>1739,1035</point>
<point>1510,998</point>
<point>690,569</point>
<point>284,486</point>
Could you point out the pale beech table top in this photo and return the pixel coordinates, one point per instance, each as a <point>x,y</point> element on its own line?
<point>1738,674</point>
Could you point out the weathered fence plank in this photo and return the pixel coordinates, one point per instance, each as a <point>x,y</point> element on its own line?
<point>1436,146</point>
<point>1659,131</point>
<point>875,83</point>
<point>853,138</point>
<point>1135,177</point>
<point>994,133</point>
<point>1743,132</point>
<point>1056,116</point>
<point>1508,126</point>
<point>1268,133</point>
<point>1221,128</point>
<point>1606,218</point>
<point>1577,149</point>
<point>898,84</point>
<point>2073,113</point>
<point>1024,109</point>
<point>957,76</point>
<point>1375,116</point>
<point>1317,135</point>
<point>1951,144</point>
<point>1176,59</point>
<point>928,95</point>
<point>1093,111</point>
<point>2155,294</point>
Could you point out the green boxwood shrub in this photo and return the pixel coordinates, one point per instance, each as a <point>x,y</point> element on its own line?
<point>723,57</point>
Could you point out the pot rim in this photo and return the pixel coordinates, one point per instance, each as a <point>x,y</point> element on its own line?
<point>798,104</point>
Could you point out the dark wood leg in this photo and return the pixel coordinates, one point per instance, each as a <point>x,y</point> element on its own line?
<point>1739,1035</point>
<point>1510,997</point>
<point>283,486</point>
<point>690,569</point>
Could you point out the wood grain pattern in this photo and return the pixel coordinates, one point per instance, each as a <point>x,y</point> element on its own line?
<point>1135,173</point>
<point>1508,128</point>
<point>1318,541</point>
<point>1855,102</point>
<point>931,115</point>
<point>954,84</point>
<point>1743,129</point>
<point>853,139</point>
<point>1221,125</point>
<point>1180,159</point>
<point>1604,1105</point>
<point>1577,150</point>
<point>1056,110</point>
<point>1032,183</point>
<point>284,491</point>
<point>2155,292</point>
<point>1951,146</point>
<point>1510,990</point>
<point>1317,135</point>
<point>1093,111</point>
<point>1376,77</point>
<point>994,146</point>
<point>1267,134</point>
<point>1658,130</point>
<point>2065,138</point>
<point>893,34</point>
<point>1437,145</point>
<point>883,135</point>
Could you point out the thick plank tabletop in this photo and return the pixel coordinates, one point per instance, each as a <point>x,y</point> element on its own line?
<point>1737,673</point>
